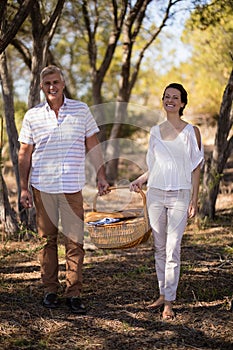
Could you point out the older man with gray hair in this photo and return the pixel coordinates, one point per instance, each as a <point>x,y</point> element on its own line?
<point>54,138</point>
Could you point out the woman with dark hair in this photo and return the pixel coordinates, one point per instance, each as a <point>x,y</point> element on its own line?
<point>174,159</point>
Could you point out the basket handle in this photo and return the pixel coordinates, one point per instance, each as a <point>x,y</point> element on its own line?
<point>126,187</point>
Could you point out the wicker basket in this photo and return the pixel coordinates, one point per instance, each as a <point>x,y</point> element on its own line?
<point>123,234</point>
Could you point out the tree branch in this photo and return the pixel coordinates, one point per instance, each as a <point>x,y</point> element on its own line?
<point>113,38</point>
<point>23,50</point>
<point>53,20</point>
<point>149,42</point>
<point>91,42</point>
<point>17,21</point>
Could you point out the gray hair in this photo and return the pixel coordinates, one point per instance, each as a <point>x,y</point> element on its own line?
<point>51,70</point>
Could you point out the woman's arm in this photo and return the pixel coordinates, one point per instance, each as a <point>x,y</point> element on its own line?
<point>192,211</point>
<point>136,185</point>
<point>195,181</point>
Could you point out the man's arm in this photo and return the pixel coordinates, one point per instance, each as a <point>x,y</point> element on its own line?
<point>94,147</point>
<point>24,161</point>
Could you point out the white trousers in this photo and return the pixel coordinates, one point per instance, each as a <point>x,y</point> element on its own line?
<point>168,212</point>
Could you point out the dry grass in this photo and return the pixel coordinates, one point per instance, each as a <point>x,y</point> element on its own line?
<point>117,286</point>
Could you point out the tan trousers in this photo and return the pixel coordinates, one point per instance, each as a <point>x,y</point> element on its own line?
<point>69,209</point>
<point>168,217</point>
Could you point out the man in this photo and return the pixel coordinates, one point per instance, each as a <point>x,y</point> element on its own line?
<point>54,138</point>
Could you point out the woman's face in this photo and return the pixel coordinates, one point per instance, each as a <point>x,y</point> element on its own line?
<point>172,101</point>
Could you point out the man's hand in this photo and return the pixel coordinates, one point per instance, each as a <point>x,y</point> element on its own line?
<point>26,199</point>
<point>103,186</point>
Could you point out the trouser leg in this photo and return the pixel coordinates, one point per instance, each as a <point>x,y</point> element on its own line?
<point>47,222</point>
<point>71,207</point>
<point>177,219</point>
<point>158,221</point>
<point>168,217</point>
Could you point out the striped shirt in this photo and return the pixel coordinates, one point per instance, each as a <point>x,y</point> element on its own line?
<point>58,158</point>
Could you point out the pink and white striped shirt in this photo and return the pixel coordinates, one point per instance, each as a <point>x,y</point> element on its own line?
<point>58,158</point>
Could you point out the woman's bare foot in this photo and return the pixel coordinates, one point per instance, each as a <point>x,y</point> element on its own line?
<point>168,313</point>
<point>157,304</point>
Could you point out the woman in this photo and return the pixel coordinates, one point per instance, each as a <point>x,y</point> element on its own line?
<point>174,158</point>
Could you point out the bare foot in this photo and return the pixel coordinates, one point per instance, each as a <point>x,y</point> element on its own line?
<point>168,313</point>
<point>157,304</point>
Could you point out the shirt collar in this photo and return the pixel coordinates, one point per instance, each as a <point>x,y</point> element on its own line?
<point>47,106</point>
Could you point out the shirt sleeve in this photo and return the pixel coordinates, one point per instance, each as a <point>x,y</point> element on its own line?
<point>197,154</point>
<point>91,125</point>
<point>25,134</point>
<point>150,157</point>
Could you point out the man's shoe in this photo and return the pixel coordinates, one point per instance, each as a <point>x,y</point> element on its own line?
<point>76,306</point>
<point>50,301</point>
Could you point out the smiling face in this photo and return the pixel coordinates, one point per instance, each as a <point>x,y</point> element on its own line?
<point>172,100</point>
<point>53,85</point>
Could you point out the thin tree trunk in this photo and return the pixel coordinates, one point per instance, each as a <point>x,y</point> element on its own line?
<point>113,148</point>
<point>43,32</point>
<point>215,164</point>
<point>100,116</point>
<point>6,82</point>
<point>8,99</point>
<point>7,216</point>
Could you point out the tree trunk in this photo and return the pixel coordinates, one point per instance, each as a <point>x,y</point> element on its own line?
<point>215,164</point>
<point>127,20</point>
<point>43,30</point>
<point>113,146</point>
<point>7,216</point>
<point>8,99</point>
<point>99,109</point>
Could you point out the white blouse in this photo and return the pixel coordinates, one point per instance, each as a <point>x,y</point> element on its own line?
<point>171,162</point>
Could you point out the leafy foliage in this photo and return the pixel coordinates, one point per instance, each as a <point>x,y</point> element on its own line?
<point>209,33</point>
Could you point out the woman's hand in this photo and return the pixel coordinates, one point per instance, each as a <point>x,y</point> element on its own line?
<point>192,210</point>
<point>137,184</point>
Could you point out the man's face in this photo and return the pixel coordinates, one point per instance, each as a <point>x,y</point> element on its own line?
<point>52,85</point>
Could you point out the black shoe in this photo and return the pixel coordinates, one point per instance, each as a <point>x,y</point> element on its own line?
<point>76,306</point>
<point>50,301</point>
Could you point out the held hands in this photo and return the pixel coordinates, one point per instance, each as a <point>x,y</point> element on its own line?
<point>26,198</point>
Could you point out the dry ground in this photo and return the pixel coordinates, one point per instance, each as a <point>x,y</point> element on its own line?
<point>118,285</point>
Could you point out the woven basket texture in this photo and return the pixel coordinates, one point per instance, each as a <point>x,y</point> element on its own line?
<point>123,234</point>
